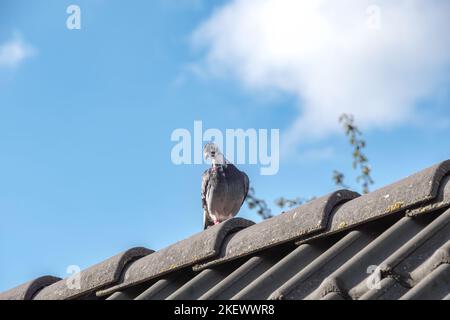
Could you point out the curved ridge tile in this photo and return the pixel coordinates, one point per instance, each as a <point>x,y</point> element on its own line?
<point>93,278</point>
<point>27,290</point>
<point>201,246</point>
<point>404,194</point>
<point>440,202</point>
<point>308,218</point>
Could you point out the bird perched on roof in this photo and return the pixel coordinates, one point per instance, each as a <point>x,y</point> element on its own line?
<point>224,188</point>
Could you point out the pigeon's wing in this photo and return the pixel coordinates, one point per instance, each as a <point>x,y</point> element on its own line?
<point>205,184</point>
<point>206,221</point>
<point>246,186</point>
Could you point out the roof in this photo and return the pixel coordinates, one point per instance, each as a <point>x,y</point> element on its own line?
<point>393,243</point>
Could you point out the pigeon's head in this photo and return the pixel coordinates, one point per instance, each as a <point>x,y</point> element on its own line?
<point>210,151</point>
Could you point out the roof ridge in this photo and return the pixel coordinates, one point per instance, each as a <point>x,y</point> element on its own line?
<point>184,253</point>
<point>305,220</point>
<point>26,291</point>
<point>406,194</point>
<point>419,193</point>
<point>93,278</point>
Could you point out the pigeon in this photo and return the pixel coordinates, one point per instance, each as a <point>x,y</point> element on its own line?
<point>224,188</point>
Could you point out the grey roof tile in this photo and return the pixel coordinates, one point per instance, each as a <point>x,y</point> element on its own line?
<point>241,277</point>
<point>164,287</point>
<point>440,256</point>
<point>119,295</point>
<point>93,278</point>
<point>404,194</point>
<point>333,296</point>
<point>198,247</point>
<point>387,289</point>
<point>354,273</point>
<point>304,220</point>
<point>421,254</point>
<point>434,286</point>
<point>27,290</point>
<point>200,284</point>
<point>280,273</point>
<point>305,282</point>
<point>392,243</point>
<point>441,201</point>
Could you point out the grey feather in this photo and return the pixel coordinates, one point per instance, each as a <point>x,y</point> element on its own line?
<point>205,179</point>
<point>224,189</point>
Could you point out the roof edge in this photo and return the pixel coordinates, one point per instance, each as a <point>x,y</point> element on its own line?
<point>408,193</point>
<point>27,290</point>
<point>185,253</point>
<point>97,276</point>
<point>307,219</point>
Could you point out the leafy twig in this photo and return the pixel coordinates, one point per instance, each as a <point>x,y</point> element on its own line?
<point>338,178</point>
<point>290,203</point>
<point>260,205</point>
<point>283,202</point>
<point>360,160</point>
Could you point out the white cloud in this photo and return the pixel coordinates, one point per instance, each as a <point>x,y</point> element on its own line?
<point>334,56</point>
<point>13,52</point>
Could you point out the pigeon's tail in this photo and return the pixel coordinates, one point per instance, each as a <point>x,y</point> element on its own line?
<point>206,221</point>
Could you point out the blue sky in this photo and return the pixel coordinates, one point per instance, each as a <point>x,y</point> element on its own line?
<point>86,115</point>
